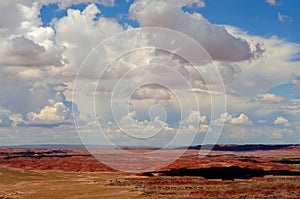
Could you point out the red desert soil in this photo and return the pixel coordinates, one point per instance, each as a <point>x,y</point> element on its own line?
<point>168,182</point>
<point>79,160</point>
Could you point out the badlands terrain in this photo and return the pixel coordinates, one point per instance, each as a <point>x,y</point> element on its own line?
<point>228,171</point>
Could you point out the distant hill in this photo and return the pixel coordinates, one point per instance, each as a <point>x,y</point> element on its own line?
<point>217,147</point>
<point>247,147</point>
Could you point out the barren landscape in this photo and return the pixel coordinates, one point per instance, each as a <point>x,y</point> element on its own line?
<point>229,171</point>
<point>151,99</point>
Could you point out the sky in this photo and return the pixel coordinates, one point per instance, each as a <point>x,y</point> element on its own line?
<point>149,72</point>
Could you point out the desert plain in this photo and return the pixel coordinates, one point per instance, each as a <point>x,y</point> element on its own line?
<point>228,171</point>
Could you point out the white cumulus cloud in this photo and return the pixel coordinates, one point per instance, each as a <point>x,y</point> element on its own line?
<point>57,113</point>
<point>283,18</point>
<point>271,2</point>
<point>215,39</point>
<point>269,98</point>
<point>281,121</point>
<point>242,119</point>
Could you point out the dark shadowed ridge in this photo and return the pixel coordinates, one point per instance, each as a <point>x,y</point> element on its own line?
<point>224,173</point>
<point>50,153</point>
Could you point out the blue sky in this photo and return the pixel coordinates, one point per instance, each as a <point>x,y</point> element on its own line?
<point>255,45</point>
<point>257,17</point>
<point>118,12</point>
